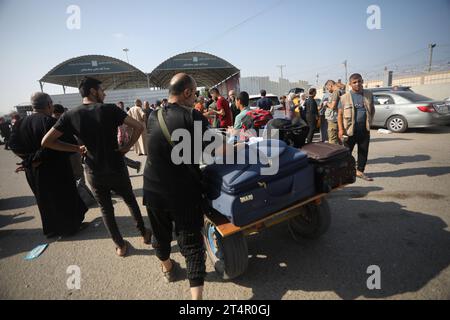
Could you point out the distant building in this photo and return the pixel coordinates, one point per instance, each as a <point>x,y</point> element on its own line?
<point>24,109</point>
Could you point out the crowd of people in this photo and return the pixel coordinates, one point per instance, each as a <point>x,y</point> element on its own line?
<point>54,142</point>
<point>342,117</point>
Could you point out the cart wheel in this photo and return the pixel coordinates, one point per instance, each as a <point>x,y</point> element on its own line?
<point>229,255</point>
<point>313,221</point>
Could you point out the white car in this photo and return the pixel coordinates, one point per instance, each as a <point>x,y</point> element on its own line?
<point>254,100</point>
<point>276,113</point>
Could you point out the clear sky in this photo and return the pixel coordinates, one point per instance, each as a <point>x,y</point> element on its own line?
<point>309,37</point>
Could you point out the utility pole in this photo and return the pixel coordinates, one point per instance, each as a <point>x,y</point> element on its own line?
<point>281,69</point>
<point>126,53</point>
<point>317,80</point>
<point>346,71</point>
<point>431,46</point>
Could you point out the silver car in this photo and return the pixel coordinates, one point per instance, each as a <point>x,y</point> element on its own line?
<point>400,110</point>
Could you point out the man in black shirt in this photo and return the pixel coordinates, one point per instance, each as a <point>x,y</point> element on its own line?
<point>172,192</point>
<point>95,125</point>
<point>264,103</point>
<point>312,114</point>
<point>48,172</point>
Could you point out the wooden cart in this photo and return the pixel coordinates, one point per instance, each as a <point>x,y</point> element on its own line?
<point>226,245</point>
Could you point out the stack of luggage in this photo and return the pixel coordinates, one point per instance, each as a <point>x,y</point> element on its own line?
<point>242,192</point>
<point>334,165</point>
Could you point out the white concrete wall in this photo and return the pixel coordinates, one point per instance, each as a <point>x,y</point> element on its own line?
<point>435,91</point>
<point>253,85</point>
<point>128,97</point>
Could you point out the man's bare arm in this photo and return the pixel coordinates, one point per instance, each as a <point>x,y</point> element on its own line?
<point>137,131</point>
<point>51,141</point>
<point>220,113</point>
<point>340,124</point>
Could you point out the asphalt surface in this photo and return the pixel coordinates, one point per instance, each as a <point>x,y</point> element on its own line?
<point>399,222</point>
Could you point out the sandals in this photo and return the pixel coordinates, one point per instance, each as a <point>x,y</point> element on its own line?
<point>171,275</point>
<point>364,177</point>
<point>122,251</point>
<point>146,238</point>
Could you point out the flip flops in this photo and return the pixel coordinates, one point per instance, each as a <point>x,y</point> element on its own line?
<point>364,177</point>
<point>171,275</point>
<point>122,251</point>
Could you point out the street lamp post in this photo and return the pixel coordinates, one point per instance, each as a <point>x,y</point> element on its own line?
<point>126,53</point>
<point>431,46</point>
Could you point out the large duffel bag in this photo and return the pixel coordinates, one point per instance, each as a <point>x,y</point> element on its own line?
<point>244,195</point>
<point>334,165</point>
<point>256,119</point>
<point>293,132</point>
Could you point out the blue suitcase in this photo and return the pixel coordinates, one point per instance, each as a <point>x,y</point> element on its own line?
<point>243,195</point>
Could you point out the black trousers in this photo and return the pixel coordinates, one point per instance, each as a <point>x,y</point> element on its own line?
<point>188,230</point>
<point>362,139</point>
<point>121,185</point>
<point>312,124</point>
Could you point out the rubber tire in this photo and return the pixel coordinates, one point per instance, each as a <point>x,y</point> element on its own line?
<point>404,128</point>
<point>233,260</point>
<point>320,220</point>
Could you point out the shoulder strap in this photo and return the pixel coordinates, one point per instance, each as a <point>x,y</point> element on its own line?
<point>166,133</point>
<point>163,125</point>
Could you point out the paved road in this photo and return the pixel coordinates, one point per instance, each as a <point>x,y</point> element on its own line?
<point>399,222</point>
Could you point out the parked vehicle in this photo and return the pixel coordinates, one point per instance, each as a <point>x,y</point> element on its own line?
<point>254,100</point>
<point>400,110</point>
<point>389,89</point>
<point>296,91</point>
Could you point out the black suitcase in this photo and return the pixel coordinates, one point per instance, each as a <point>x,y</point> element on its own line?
<point>334,165</point>
<point>293,132</point>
